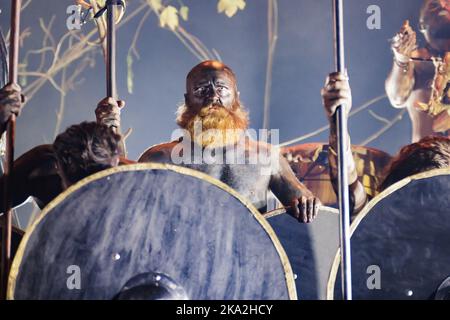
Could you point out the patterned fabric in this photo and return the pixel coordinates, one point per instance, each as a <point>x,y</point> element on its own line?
<point>311,166</point>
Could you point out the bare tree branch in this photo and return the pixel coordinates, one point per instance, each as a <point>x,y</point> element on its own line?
<point>272,21</point>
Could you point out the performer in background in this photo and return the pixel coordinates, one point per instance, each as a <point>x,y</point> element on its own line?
<point>414,75</point>
<point>212,99</point>
<point>432,152</point>
<point>47,170</point>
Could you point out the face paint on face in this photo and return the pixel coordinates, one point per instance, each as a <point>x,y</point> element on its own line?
<point>445,4</point>
<point>212,99</point>
<point>435,24</point>
<point>211,88</point>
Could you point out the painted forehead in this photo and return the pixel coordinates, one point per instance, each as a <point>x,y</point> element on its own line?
<point>208,70</point>
<point>211,74</point>
<point>207,74</point>
<point>432,8</point>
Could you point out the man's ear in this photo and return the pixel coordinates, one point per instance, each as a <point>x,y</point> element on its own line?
<point>186,98</point>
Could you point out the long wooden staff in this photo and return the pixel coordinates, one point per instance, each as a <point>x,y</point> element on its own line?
<point>341,123</point>
<point>111,84</point>
<point>10,137</point>
<point>110,59</point>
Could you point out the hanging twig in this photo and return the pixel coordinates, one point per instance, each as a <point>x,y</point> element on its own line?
<point>272,21</point>
<point>389,125</point>
<point>378,117</point>
<point>133,49</point>
<point>327,127</point>
<point>62,103</point>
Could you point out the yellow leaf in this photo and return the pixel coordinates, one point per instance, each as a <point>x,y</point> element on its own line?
<point>155,4</point>
<point>184,13</point>
<point>169,17</point>
<point>230,7</point>
<point>101,3</point>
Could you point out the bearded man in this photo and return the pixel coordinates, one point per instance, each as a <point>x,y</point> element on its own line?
<point>413,77</point>
<point>214,122</point>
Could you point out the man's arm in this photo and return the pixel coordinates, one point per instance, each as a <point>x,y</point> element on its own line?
<point>358,196</point>
<point>294,195</point>
<point>400,81</point>
<point>35,176</point>
<point>336,93</point>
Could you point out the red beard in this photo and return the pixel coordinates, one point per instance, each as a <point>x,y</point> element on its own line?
<point>219,125</point>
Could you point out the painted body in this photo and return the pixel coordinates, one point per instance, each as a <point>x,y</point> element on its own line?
<point>212,100</point>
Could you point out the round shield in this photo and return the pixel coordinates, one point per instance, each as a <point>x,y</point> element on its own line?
<point>400,241</point>
<point>310,248</point>
<point>134,221</point>
<point>310,164</point>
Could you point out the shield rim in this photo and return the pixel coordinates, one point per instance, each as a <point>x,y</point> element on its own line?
<point>368,208</point>
<point>289,275</point>
<point>279,211</point>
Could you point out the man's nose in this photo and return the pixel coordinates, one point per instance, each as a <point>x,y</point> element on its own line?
<point>215,99</point>
<point>213,93</point>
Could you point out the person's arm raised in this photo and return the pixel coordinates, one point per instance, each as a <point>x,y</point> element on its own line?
<point>400,81</point>
<point>335,93</point>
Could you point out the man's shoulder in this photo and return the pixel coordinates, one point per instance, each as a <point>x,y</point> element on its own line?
<point>159,152</point>
<point>38,162</point>
<point>41,155</point>
<point>260,146</point>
